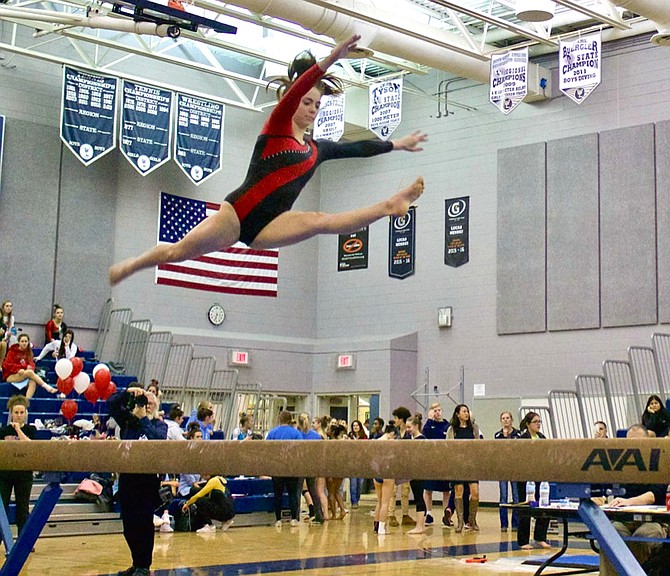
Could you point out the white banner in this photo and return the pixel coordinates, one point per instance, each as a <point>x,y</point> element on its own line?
<point>509,79</point>
<point>579,63</point>
<point>329,123</point>
<point>385,107</point>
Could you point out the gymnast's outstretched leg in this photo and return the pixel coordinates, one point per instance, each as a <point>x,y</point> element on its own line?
<point>293,227</point>
<point>217,232</point>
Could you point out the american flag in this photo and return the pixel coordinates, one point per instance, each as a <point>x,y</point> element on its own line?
<point>237,270</point>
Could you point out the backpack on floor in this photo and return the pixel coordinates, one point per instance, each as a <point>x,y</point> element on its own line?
<point>88,491</point>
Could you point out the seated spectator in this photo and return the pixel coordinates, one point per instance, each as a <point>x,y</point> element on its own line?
<point>599,429</point>
<point>154,388</point>
<point>206,421</point>
<point>194,413</point>
<point>193,431</point>
<point>7,329</point>
<point>656,418</point>
<point>19,366</point>
<point>638,495</point>
<point>245,429</point>
<point>212,502</point>
<point>65,348</point>
<point>176,417</point>
<point>55,328</point>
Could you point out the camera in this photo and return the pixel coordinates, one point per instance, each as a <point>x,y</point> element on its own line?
<point>133,401</point>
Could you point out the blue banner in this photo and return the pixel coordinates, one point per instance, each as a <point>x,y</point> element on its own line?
<point>88,114</point>
<point>402,233</point>
<point>198,138</point>
<point>145,126</point>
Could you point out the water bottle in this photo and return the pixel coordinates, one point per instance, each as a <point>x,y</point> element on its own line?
<point>530,491</point>
<point>544,494</point>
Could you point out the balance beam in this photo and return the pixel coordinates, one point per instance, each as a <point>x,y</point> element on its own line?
<point>607,461</point>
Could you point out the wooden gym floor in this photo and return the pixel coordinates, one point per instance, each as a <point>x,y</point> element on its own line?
<point>346,546</point>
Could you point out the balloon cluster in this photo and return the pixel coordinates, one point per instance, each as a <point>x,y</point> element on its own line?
<point>71,377</point>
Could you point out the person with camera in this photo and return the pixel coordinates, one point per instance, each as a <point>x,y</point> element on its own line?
<point>138,493</point>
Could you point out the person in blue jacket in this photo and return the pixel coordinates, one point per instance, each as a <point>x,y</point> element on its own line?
<point>133,409</point>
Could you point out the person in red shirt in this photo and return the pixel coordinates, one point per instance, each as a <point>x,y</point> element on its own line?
<point>55,328</point>
<point>19,366</point>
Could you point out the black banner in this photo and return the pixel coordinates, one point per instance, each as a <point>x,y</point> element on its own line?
<point>456,229</point>
<point>353,251</point>
<point>88,114</point>
<point>198,138</point>
<point>145,126</point>
<point>402,235</point>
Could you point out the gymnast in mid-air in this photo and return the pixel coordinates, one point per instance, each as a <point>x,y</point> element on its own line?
<point>258,213</point>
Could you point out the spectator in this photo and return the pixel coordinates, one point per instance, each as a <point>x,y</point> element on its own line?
<point>638,495</point>
<point>194,414</point>
<point>414,428</point>
<point>193,431</point>
<point>656,418</point>
<point>176,417</point>
<point>7,329</point>
<point>435,428</point>
<point>335,497</point>
<point>55,328</point>
<point>530,429</point>
<point>19,366</point>
<point>507,432</point>
<point>206,422</point>
<point>356,484</point>
<point>65,348</point>
<point>138,493</point>
<point>290,484</point>
<point>155,389</point>
<point>599,429</point>
<point>377,430</point>
<point>244,431</point>
<point>212,502</point>
<point>319,499</point>
<point>400,416</point>
<point>463,428</point>
<point>384,487</point>
<point>21,481</point>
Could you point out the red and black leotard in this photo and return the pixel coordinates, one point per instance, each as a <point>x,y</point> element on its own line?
<point>281,166</point>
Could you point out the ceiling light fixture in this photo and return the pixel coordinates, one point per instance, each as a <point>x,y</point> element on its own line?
<point>535,10</point>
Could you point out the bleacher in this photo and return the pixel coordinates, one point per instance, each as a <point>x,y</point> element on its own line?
<point>617,396</point>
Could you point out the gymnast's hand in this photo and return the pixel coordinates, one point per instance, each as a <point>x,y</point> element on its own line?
<point>410,143</point>
<point>340,51</point>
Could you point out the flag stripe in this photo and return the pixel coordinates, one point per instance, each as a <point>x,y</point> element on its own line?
<point>235,270</point>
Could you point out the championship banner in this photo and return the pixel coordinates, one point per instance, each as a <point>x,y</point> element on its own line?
<point>237,270</point>
<point>579,65</point>
<point>145,126</point>
<point>402,236</point>
<point>352,253</point>
<point>509,79</point>
<point>199,135</point>
<point>2,143</point>
<point>88,114</point>
<point>456,241</point>
<point>385,107</point>
<point>329,123</point>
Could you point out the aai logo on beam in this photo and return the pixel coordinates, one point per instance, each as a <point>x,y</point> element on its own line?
<point>616,459</point>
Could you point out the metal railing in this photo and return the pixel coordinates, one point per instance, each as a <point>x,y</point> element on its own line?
<point>643,369</point>
<point>661,345</point>
<point>624,396</point>
<point>566,415</point>
<point>595,402</point>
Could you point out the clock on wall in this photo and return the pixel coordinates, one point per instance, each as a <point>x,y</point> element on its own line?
<point>216,314</point>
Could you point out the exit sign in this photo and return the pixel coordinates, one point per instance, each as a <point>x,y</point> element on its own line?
<point>239,358</point>
<point>346,362</point>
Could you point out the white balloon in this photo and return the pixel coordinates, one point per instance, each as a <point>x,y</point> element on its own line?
<point>81,382</point>
<point>100,367</point>
<point>63,368</point>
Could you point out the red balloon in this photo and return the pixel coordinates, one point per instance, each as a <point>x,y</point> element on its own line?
<point>91,394</point>
<point>102,379</point>
<point>108,391</point>
<point>65,385</point>
<point>69,409</point>
<point>77,366</point>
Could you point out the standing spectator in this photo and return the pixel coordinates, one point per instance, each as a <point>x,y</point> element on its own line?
<point>384,488</point>
<point>400,416</point>
<point>356,484</point>
<point>319,499</point>
<point>19,366</point>
<point>656,418</point>
<point>435,428</point>
<point>21,481</point>
<point>55,328</point>
<point>530,430</point>
<point>463,428</point>
<point>176,417</point>
<point>138,493</point>
<point>335,496</point>
<point>507,432</point>
<point>290,484</point>
<point>414,429</point>
<point>7,329</point>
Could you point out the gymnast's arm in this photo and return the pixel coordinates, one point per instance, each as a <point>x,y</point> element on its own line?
<point>367,148</point>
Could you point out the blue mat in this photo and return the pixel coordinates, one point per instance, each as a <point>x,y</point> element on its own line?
<point>568,561</point>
